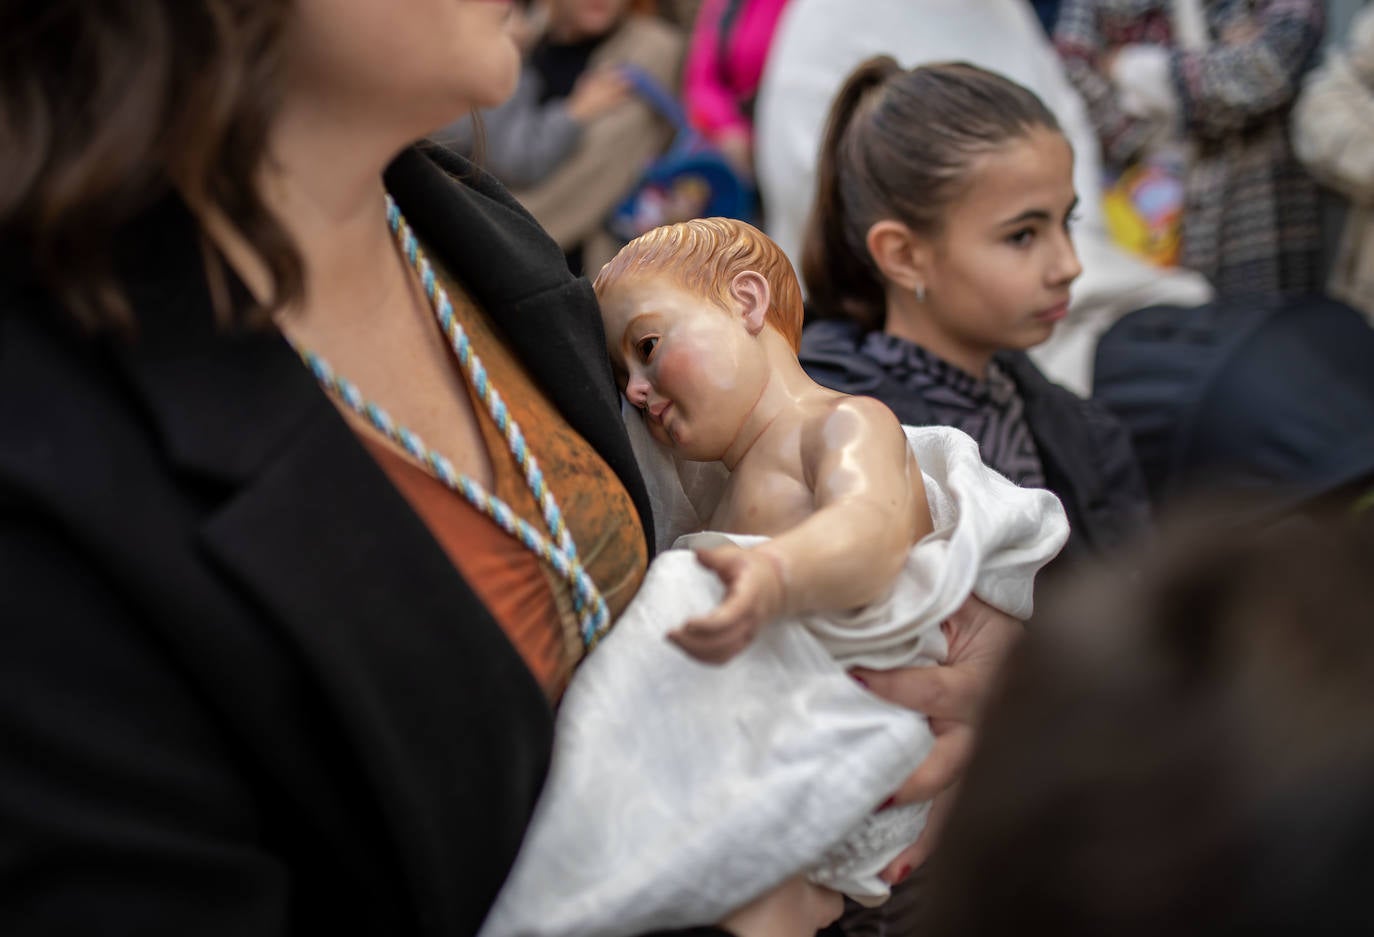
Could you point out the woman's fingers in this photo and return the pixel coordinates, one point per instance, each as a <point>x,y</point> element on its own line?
<point>916,854</point>
<point>950,691</point>
<point>941,768</point>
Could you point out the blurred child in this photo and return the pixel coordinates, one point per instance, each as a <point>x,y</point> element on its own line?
<point>725,61</point>
<point>574,139</point>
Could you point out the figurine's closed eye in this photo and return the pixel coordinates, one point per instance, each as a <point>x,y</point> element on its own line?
<point>645,347</point>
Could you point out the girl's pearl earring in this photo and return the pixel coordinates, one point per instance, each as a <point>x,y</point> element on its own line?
<point>920,292</point>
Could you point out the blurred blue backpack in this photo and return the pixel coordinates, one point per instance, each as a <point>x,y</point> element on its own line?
<point>691,180</point>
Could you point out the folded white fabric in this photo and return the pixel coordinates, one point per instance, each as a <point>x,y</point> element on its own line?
<point>679,791</point>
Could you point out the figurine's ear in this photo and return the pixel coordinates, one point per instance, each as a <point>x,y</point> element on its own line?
<point>750,290</point>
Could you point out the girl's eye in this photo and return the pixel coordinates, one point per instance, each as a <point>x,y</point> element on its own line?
<point>1070,221</point>
<point>1021,238</point>
<point>645,347</point>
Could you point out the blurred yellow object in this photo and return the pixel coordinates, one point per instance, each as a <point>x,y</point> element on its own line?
<point>1144,212</point>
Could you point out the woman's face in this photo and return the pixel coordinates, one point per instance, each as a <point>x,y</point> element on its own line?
<point>998,274</point>
<point>423,63</point>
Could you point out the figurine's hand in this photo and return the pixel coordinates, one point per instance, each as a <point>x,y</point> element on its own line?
<point>952,697</point>
<point>754,596</point>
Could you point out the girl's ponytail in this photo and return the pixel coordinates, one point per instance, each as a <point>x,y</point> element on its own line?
<point>841,279</point>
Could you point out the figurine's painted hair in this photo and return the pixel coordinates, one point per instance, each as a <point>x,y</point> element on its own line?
<point>703,256</point>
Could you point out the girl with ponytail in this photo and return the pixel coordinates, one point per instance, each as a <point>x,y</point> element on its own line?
<point>938,251</point>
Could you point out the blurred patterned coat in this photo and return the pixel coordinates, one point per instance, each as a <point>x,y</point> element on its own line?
<point>1250,223</point>
<point>1333,133</point>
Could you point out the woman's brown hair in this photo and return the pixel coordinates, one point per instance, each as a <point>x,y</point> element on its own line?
<point>898,144</point>
<point>105,107</point>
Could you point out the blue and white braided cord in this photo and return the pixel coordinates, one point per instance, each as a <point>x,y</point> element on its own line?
<point>477,374</point>
<point>590,605</point>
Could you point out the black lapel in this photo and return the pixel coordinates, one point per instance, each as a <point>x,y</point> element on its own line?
<point>451,731</point>
<point>516,271</point>
<point>447,725</point>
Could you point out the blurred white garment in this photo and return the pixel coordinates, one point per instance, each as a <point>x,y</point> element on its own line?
<point>1333,136</point>
<point>819,42</point>
<point>680,791</point>
<point>1144,84</point>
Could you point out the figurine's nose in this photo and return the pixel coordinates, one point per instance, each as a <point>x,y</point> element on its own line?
<point>637,391</point>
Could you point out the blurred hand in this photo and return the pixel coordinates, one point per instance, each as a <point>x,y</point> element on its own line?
<point>796,908</point>
<point>952,697</point>
<point>754,596</point>
<point>597,92</point>
<point>1241,32</point>
<point>738,150</point>
<point>1106,61</point>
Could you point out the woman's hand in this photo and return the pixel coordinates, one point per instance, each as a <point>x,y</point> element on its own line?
<point>796,908</point>
<point>952,697</point>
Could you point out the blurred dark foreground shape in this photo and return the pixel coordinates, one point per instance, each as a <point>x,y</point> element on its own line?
<point>1267,399</point>
<point>1184,752</point>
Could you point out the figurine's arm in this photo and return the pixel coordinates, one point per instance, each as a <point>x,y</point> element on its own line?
<point>870,507</point>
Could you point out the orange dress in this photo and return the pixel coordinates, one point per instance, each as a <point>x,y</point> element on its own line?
<point>531,602</point>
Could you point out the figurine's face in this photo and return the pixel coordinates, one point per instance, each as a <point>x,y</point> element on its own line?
<point>692,368</point>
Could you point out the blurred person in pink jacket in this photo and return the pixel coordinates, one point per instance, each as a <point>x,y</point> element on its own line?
<point>725,61</point>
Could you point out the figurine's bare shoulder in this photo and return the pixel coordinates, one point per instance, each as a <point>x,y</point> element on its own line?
<point>845,436</point>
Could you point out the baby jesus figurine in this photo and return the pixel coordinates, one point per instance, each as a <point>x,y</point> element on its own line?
<point>703,322</point>
<point>684,786</point>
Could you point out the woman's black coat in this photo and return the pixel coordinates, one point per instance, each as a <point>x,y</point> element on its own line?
<point>242,689</point>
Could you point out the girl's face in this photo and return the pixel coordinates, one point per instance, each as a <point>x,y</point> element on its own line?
<point>420,63</point>
<point>998,274</point>
<point>692,368</point>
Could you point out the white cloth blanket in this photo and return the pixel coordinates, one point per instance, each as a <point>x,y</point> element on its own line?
<point>679,791</point>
